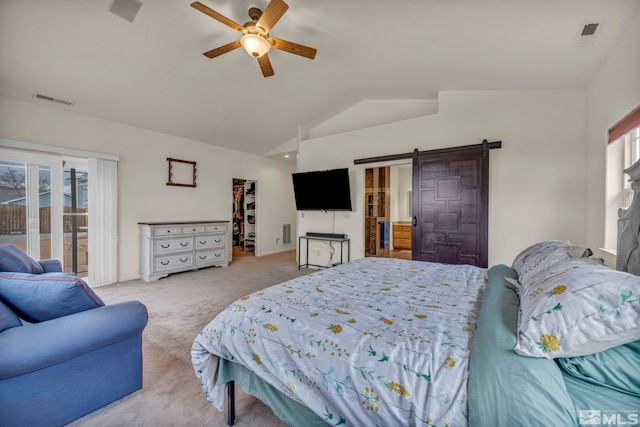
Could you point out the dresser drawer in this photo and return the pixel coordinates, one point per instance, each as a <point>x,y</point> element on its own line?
<point>401,233</point>
<point>401,243</point>
<point>168,246</point>
<point>210,256</point>
<point>217,241</point>
<point>174,262</point>
<point>218,228</point>
<point>167,231</point>
<point>193,229</point>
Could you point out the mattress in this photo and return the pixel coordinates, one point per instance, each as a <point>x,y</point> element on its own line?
<point>373,342</point>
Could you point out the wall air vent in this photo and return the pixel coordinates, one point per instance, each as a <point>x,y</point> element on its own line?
<point>52,99</point>
<point>587,33</point>
<point>286,234</point>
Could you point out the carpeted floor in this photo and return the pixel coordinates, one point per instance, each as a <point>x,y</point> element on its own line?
<point>179,307</point>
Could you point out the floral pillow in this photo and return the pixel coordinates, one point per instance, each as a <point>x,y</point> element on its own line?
<point>537,258</point>
<point>576,308</point>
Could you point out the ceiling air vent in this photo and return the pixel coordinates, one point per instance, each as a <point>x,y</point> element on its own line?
<point>126,9</point>
<point>589,29</point>
<point>52,99</point>
<point>587,34</point>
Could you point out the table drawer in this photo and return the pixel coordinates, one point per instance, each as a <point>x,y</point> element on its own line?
<point>210,256</point>
<point>166,231</point>
<point>193,229</point>
<point>217,241</point>
<point>174,262</point>
<point>174,245</point>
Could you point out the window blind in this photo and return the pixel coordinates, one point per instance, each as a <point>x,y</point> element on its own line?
<point>625,125</point>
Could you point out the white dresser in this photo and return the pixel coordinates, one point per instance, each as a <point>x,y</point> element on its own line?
<point>171,247</point>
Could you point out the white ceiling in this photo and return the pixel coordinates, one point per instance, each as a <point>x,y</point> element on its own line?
<point>151,73</point>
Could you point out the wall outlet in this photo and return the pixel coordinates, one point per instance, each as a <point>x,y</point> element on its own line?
<point>277,240</point>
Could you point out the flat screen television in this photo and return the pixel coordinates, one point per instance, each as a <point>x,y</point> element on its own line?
<point>326,190</point>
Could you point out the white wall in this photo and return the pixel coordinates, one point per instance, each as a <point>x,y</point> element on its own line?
<point>142,174</point>
<point>537,186</point>
<point>613,92</point>
<point>402,189</point>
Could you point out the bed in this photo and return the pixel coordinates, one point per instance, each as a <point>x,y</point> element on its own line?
<point>381,342</point>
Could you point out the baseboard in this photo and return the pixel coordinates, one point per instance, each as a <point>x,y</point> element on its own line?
<point>279,251</point>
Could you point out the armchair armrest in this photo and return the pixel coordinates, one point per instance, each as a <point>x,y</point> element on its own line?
<point>39,345</point>
<point>51,265</point>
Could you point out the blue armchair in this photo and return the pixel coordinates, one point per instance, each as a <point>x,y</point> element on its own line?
<point>64,353</point>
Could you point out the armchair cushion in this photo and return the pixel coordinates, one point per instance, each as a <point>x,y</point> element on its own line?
<point>51,265</point>
<point>38,346</point>
<point>15,260</point>
<point>37,298</point>
<point>8,318</point>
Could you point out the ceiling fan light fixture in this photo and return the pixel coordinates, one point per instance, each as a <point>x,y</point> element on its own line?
<point>255,45</point>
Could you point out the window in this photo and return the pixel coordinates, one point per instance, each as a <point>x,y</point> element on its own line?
<point>623,151</point>
<point>631,155</point>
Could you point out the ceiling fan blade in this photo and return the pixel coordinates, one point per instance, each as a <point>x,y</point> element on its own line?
<point>222,49</point>
<point>217,16</point>
<point>272,14</point>
<point>295,48</point>
<point>265,65</point>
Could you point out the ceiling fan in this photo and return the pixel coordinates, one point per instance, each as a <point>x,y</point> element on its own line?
<point>255,34</point>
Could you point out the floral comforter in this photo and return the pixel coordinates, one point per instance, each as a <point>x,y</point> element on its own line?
<point>375,342</point>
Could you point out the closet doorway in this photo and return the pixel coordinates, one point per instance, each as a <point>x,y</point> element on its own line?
<point>388,211</point>
<point>244,216</point>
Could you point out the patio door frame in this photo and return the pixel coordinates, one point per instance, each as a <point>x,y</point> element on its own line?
<point>32,162</point>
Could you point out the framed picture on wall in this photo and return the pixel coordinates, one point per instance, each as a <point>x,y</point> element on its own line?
<point>182,173</point>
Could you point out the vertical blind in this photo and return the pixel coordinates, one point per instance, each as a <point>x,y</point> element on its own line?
<point>103,226</point>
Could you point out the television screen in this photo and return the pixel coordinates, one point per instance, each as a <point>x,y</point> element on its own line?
<point>326,190</point>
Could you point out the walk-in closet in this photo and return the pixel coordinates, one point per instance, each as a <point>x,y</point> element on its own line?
<point>244,215</point>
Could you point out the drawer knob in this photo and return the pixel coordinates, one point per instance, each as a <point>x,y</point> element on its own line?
<point>164,262</point>
<point>184,244</point>
<point>165,246</point>
<point>217,255</point>
<point>183,259</point>
<point>218,240</point>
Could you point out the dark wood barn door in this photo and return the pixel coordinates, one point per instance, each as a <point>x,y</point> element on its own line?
<point>450,207</point>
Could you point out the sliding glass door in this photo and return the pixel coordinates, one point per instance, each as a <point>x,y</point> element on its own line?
<point>76,218</point>
<point>44,207</point>
<point>25,207</point>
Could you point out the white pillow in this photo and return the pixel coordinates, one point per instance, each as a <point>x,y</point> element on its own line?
<point>577,307</point>
<point>540,256</point>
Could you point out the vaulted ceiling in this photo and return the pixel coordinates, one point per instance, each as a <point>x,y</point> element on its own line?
<point>151,73</point>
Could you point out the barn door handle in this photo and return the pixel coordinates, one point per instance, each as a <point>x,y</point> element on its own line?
<point>415,221</point>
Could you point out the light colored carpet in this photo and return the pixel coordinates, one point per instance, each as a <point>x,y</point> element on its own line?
<point>179,307</point>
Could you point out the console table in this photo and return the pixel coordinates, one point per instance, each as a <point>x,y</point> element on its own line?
<point>172,247</point>
<point>330,240</point>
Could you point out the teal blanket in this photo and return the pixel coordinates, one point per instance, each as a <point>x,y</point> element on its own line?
<point>617,368</point>
<point>506,389</point>
<point>605,385</point>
